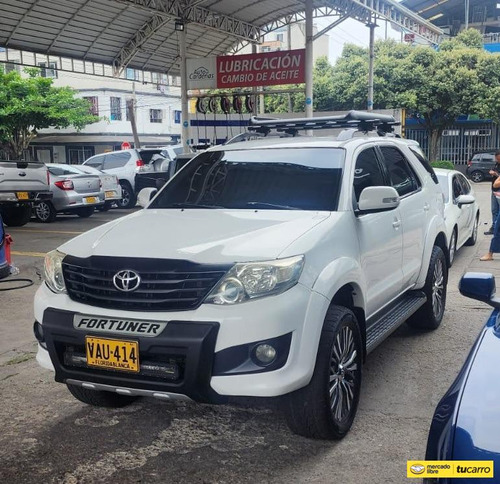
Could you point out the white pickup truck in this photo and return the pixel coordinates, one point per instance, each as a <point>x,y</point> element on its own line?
<point>21,185</point>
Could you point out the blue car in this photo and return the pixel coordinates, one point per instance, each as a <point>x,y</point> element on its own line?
<point>466,423</point>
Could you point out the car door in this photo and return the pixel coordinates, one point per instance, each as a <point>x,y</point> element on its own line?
<point>414,208</point>
<point>467,214</point>
<point>379,235</point>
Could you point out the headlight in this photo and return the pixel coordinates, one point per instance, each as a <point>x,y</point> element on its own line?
<point>257,279</point>
<point>52,271</point>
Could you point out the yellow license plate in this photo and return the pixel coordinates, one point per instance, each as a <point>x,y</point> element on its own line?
<point>22,195</point>
<point>90,200</point>
<point>109,194</point>
<point>112,354</point>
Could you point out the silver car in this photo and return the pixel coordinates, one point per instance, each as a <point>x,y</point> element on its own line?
<point>111,188</point>
<point>73,192</point>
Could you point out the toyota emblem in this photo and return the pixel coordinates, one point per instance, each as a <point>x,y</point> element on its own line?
<point>126,281</point>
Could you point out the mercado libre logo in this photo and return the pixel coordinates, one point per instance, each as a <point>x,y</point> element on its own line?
<point>449,468</point>
<point>417,469</point>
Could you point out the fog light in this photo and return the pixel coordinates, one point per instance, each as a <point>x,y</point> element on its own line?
<point>265,354</point>
<point>38,330</point>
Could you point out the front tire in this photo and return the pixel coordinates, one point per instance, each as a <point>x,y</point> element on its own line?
<point>326,407</point>
<point>453,246</point>
<point>477,176</point>
<point>430,315</point>
<point>16,216</point>
<point>45,212</point>
<point>98,398</point>
<point>473,238</point>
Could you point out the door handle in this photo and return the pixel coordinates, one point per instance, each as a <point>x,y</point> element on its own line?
<point>426,207</point>
<point>396,224</point>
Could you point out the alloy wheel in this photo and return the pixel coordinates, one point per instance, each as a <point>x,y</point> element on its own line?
<point>42,211</point>
<point>343,374</point>
<point>438,288</point>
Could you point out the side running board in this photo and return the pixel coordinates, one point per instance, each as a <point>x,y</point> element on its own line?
<point>392,318</point>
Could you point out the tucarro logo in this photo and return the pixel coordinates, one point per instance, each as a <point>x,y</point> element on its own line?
<point>126,281</point>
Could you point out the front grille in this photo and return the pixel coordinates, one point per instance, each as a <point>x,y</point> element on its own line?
<point>166,284</point>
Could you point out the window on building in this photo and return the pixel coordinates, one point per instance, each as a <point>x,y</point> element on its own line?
<point>155,116</point>
<point>48,69</point>
<point>76,155</point>
<point>94,105</point>
<point>279,37</point>
<point>12,65</point>
<point>116,108</point>
<point>132,74</point>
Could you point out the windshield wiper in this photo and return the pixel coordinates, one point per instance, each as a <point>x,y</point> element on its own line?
<point>272,205</point>
<point>192,205</point>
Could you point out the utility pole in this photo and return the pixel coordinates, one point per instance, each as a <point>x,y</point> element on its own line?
<point>466,14</point>
<point>289,47</point>
<point>371,26</point>
<point>131,116</point>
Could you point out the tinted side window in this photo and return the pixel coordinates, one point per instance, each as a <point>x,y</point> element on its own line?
<point>488,158</point>
<point>96,162</point>
<point>425,163</point>
<point>116,160</point>
<point>402,177</point>
<point>456,187</point>
<point>464,184</point>
<point>367,172</point>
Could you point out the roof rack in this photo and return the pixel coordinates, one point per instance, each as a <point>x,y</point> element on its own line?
<point>360,120</point>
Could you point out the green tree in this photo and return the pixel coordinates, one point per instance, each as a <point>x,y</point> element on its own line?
<point>435,85</point>
<point>28,104</point>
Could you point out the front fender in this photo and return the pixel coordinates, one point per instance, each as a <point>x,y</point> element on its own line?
<point>337,274</point>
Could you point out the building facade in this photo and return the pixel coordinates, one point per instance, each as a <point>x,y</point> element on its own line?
<point>156,101</point>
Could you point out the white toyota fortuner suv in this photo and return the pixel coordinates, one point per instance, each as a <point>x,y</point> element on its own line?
<point>264,268</point>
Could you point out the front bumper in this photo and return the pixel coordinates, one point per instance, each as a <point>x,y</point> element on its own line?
<point>213,344</point>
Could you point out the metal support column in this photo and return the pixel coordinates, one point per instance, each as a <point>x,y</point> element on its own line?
<point>184,97</point>
<point>309,58</point>
<point>371,26</point>
<point>466,14</point>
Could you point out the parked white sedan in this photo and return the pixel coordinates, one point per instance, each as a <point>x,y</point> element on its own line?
<point>461,209</point>
<point>111,188</point>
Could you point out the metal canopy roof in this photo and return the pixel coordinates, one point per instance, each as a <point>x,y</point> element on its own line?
<point>141,33</point>
<point>445,12</point>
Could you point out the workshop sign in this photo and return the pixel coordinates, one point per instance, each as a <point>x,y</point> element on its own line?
<point>252,70</point>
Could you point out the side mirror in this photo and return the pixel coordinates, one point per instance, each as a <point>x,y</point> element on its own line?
<point>479,286</point>
<point>378,199</point>
<point>465,200</point>
<point>145,196</point>
<point>160,182</point>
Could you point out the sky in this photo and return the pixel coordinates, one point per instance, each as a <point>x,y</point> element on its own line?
<point>353,32</point>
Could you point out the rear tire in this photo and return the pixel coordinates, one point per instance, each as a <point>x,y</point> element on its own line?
<point>45,212</point>
<point>473,238</point>
<point>129,198</point>
<point>84,212</point>
<point>99,398</point>
<point>16,216</point>
<point>326,407</point>
<point>430,315</point>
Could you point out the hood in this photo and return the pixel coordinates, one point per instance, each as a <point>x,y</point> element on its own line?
<point>198,235</point>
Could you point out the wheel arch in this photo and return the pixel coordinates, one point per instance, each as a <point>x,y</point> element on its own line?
<point>350,296</point>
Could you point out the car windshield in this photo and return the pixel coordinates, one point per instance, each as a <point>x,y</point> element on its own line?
<point>270,179</point>
<point>445,187</point>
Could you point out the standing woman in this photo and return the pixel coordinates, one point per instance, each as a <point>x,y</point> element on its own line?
<point>495,241</point>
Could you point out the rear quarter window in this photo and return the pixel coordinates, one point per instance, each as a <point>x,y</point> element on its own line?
<point>116,160</point>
